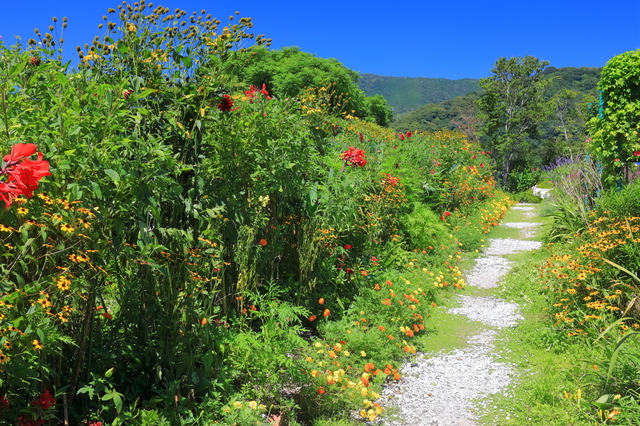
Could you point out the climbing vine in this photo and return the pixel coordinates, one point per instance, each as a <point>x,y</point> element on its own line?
<point>615,129</point>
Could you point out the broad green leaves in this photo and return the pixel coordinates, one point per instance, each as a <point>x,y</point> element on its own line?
<point>614,131</point>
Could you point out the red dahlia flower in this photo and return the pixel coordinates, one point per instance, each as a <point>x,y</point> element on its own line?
<point>226,104</point>
<point>45,401</point>
<point>354,156</point>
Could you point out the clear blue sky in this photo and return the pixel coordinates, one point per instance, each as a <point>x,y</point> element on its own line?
<point>416,38</point>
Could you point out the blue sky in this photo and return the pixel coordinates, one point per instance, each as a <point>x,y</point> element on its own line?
<point>422,38</point>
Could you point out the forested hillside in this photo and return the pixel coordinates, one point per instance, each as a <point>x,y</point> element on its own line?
<point>569,96</point>
<point>406,94</point>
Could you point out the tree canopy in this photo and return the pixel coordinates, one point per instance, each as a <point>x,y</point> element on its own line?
<point>512,106</point>
<point>289,72</point>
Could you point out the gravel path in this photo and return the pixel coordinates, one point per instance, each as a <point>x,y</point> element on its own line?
<point>440,390</point>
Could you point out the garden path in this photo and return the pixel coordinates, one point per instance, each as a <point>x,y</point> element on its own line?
<point>443,389</point>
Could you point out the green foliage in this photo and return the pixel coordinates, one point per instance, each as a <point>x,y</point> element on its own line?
<point>406,94</point>
<point>191,223</point>
<point>626,202</point>
<point>434,117</point>
<point>423,227</point>
<point>525,196</point>
<point>577,189</point>
<point>512,106</point>
<point>614,131</point>
<point>289,71</point>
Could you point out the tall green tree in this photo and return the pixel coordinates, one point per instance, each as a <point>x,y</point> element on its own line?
<point>512,107</point>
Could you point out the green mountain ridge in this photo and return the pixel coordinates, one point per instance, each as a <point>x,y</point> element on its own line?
<point>406,94</point>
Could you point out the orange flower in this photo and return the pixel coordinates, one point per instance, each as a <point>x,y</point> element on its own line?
<point>364,273</point>
<point>389,283</point>
<point>390,337</point>
<point>396,376</point>
<point>369,366</point>
<point>381,327</point>
<point>312,318</point>
<point>387,302</point>
<point>376,287</point>
<point>326,313</point>
<point>204,321</point>
<point>407,349</point>
<point>263,242</point>
<point>107,315</point>
<point>321,390</point>
<point>321,301</point>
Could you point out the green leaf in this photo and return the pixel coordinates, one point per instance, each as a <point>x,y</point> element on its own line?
<point>17,68</point>
<point>113,175</point>
<point>186,61</point>
<point>122,47</point>
<point>62,79</point>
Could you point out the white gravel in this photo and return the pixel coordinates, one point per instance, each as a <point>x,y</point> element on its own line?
<point>443,389</point>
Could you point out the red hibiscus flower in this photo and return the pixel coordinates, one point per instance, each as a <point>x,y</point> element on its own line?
<point>22,173</point>
<point>354,157</point>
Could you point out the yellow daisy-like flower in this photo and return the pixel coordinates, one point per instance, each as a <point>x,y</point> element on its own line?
<point>363,354</point>
<point>66,228</point>
<point>22,210</point>
<point>37,345</point>
<point>63,283</point>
